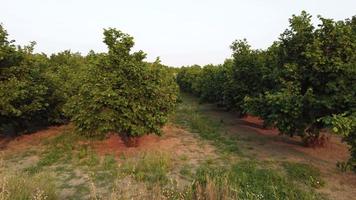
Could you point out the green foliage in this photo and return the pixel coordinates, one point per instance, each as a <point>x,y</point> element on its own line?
<point>121,93</point>
<point>344,124</point>
<point>321,78</point>
<point>66,71</point>
<point>115,91</point>
<point>212,82</point>
<point>26,93</point>
<point>304,78</point>
<point>317,77</point>
<point>248,76</point>
<point>188,79</point>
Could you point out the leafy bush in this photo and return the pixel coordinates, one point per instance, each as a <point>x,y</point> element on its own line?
<point>345,125</point>
<point>188,78</point>
<point>212,82</point>
<point>65,71</point>
<point>121,93</point>
<point>316,81</point>
<point>247,76</point>
<point>26,94</point>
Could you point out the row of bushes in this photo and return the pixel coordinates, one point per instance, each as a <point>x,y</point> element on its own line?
<point>301,84</point>
<point>115,91</point>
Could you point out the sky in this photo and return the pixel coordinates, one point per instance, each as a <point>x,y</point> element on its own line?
<point>180,32</point>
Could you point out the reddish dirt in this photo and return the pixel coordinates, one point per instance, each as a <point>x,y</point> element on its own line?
<point>19,143</point>
<point>334,150</point>
<point>172,140</point>
<point>114,144</point>
<point>256,123</point>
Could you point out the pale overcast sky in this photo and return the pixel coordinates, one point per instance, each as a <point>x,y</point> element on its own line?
<point>181,32</point>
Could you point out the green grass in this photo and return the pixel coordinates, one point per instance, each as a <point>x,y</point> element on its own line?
<point>244,180</point>
<point>248,180</point>
<point>150,167</point>
<point>190,117</point>
<point>59,148</point>
<point>304,173</point>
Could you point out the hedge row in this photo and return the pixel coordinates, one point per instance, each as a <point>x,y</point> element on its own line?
<point>304,82</point>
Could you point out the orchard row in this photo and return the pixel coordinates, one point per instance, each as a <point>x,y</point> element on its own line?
<point>302,84</point>
<point>100,92</point>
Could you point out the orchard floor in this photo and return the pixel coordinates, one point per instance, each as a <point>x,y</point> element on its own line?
<point>198,137</point>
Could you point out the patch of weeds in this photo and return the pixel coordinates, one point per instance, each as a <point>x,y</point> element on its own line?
<point>183,157</point>
<point>122,157</point>
<point>88,157</point>
<point>49,158</point>
<point>247,180</point>
<point>304,173</point>
<point>107,172</point>
<point>59,148</point>
<point>81,191</point>
<point>61,169</point>
<point>83,151</point>
<point>150,167</point>
<point>185,171</point>
<point>20,156</point>
<point>109,163</point>
<point>23,186</point>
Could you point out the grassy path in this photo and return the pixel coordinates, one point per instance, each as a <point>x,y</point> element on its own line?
<point>247,140</point>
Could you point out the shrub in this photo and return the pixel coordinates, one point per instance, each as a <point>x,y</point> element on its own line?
<point>345,125</point>
<point>26,94</point>
<point>121,93</point>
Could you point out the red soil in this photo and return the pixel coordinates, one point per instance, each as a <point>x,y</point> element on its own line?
<point>25,141</point>
<point>114,144</point>
<point>333,150</point>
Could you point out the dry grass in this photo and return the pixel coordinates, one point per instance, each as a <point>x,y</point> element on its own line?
<point>20,186</point>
